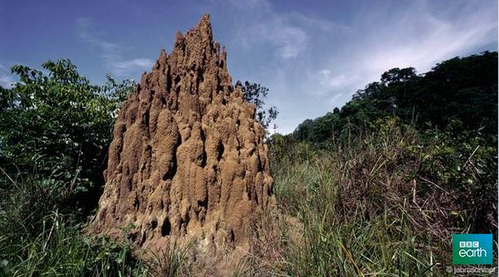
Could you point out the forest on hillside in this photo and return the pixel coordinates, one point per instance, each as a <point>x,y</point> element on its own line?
<point>453,111</point>
<point>376,187</point>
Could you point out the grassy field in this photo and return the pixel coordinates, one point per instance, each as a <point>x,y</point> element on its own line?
<point>362,207</point>
<point>358,211</point>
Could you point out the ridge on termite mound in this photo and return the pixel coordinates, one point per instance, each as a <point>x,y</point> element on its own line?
<point>187,160</point>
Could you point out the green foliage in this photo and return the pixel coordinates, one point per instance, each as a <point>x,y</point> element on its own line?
<point>382,203</point>
<point>55,128</point>
<point>60,250</point>
<point>255,93</point>
<point>453,112</point>
<point>356,203</point>
<point>59,123</point>
<point>37,240</point>
<point>458,95</point>
<point>469,168</point>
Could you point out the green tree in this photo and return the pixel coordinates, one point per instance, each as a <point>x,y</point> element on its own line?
<point>458,95</point>
<point>453,110</point>
<point>59,125</point>
<point>255,93</point>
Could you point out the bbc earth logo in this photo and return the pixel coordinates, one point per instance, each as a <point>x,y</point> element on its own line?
<point>472,249</point>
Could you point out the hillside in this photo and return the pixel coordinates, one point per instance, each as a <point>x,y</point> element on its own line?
<point>458,95</point>
<point>387,179</point>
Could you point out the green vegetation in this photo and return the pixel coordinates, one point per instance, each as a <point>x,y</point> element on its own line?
<point>454,110</point>
<point>55,130</point>
<point>54,133</point>
<point>60,249</point>
<point>255,93</point>
<point>374,188</point>
<point>382,184</point>
<point>458,96</point>
<point>363,207</point>
<point>57,127</point>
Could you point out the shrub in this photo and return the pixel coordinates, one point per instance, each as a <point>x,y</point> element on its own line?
<point>59,124</point>
<point>384,203</point>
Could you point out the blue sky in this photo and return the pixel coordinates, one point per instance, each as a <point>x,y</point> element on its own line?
<point>312,55</point>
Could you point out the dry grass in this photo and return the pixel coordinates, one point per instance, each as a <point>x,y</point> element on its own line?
<point>365,207</point>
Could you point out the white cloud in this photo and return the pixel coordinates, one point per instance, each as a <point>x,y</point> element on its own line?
<point>290,41</point>
<point>122,68</point>
<point>320,61</point>
<point>6,81</point>
<point>112,53</point>
<point>287,40</point>
<point>263,26</point>
<point>324,73</point>
<point>434,39</point>
<point>338,81</point>
<point>414,36</point>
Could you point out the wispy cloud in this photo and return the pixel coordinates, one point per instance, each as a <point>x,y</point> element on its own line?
<point>112,53</point>
<point>123,68</point>
<point>415,35</point>
<point>287,40</point>
<point>423,37</point>
<point>316,63</point>
<point>290,41</point>
<point>6,79</point>
<point>260,25</point>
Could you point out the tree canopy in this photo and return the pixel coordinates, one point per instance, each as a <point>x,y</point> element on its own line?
<point>458,95</point>
<point>58,124</point>
<point>255,94</point>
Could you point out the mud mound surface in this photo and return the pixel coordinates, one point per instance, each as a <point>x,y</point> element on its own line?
<point>188,160</point>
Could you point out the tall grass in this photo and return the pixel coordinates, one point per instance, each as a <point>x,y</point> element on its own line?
<point>36,239</point>
<point>375,204</point>
<point>60,249</point>
<point>365,207</point>
<point>353,242</point>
